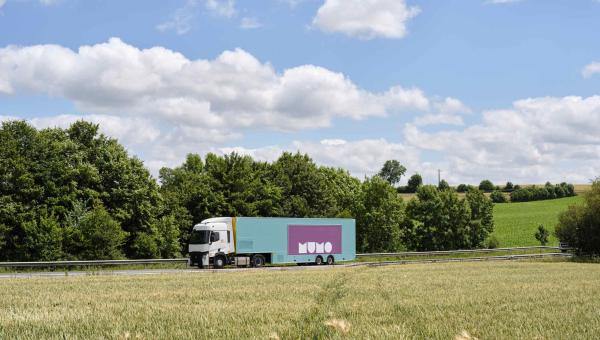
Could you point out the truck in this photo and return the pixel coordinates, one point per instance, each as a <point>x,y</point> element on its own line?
<point>256,241</point>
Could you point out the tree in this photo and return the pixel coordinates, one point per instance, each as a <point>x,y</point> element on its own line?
<point>462,188</point>
<point>392,171</point>
<point>101,236</point>
<point>579,225</point>
<point>509,186</point>
<point>443,185</point>
<point>486,185</point>
<point>379,214</point>
<point>542,235</point>
<point>414,182</point>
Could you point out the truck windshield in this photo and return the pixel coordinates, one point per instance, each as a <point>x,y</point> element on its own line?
<point>199,237</point>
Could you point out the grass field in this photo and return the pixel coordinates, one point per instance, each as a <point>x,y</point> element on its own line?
<point>524,300</point>
<point>516,223</point>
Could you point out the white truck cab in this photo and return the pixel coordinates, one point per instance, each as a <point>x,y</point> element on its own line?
<point>210,239</point>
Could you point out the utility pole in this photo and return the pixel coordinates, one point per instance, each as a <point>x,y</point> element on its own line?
<point>439,177</point>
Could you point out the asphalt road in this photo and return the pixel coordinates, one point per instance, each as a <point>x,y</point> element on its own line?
<point>137,272</point>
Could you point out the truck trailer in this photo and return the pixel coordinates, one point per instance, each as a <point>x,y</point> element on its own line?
<point>256,241</point>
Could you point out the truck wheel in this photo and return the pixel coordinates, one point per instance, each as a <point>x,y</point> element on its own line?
<point>219,261</point>
<point>258,261</point>
<point>319,260</point>
<point>330,260</point>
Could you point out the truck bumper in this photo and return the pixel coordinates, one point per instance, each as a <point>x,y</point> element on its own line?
<point>198,258</point>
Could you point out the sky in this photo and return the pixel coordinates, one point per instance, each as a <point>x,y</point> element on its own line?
<point>507,90</point>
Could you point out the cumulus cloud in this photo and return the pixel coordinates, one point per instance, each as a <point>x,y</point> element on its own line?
<point>538,139</point>
<point>235,90</point>
<point>591,69</point>
<point>365,19</point>
<point>162,104</point>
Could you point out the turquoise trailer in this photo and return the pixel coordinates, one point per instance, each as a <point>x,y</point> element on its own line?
<point>255,241</point>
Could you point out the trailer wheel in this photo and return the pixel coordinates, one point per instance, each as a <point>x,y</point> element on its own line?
<point>319,260</point>
<point>258,261</point>
<point>219,261</point>
<point>330,260</point>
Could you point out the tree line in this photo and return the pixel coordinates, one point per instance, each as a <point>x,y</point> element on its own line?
<point>76,194</point>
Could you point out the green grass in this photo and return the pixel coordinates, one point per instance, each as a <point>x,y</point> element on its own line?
<point>509,300</point>
<point>516,223</point>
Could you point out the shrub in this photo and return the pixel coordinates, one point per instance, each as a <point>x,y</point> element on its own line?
<point>509,186</point>
<point>492,242</point>
<point>486,185</point>
<point>549,191</point>
<point>498,197</point>
<point>542,235</point>
<point>462,188</point>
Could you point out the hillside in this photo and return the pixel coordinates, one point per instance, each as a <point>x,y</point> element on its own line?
<point>516,223</point>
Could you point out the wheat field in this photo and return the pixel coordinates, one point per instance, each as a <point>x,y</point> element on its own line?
<point>526,300</point>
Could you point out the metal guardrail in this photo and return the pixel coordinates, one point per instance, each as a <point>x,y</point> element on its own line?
<point>464,259</point>
<point>90,263</point>
<point>461,251</point>
<point>54,264</point>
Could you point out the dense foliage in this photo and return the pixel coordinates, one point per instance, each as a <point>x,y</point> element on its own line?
<point>76,194</point>
<point>440,220</point>
<point>579,226</point>
<point>546,192</point>
<point>498,197</point>
<point>66,192</point>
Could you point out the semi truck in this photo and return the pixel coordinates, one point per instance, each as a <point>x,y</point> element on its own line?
<point>256,241</point>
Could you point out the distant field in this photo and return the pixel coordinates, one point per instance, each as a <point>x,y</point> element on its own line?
<point>510,300</point>
<point>516,223</point>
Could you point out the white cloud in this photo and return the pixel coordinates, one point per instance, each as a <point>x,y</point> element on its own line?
<point>501,2</point>
<point>365,19</point>
<point>591,69</point>
<point>439,119</point>
<point>538,139</point>
<point>224,8</point>
<point>181,20</point>
<point>233,91</point>
<point>175,105</point>
<point>250,23</point>
<point>2,2</point>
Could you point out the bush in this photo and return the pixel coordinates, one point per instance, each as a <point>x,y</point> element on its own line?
<point>498,197</point>
<point>509,186</point>
<point>486,185</point>
<point>542,235</point>
<point>462,188</point>
<point>579,226</point>
<point>549,191</point>
<point>101,237</point>
<point>492,242</point>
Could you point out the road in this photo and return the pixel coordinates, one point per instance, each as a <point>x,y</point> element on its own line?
<point>137,272</point>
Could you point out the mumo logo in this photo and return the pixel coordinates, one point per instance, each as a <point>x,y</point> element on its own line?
<point>315,247</point>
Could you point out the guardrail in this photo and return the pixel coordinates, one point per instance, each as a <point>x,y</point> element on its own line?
<point>83,263</point>
<point>460,251</point>
<point>464,259</point>
<point>90,263</point>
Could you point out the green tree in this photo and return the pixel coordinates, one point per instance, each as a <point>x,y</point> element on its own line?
<point>414,182</point>
<point>392,171</point>
<point>542,235</point>
<point>379,214</point>
<point>443,185</point>
<point>486,185</point>
<point>101,236</point>
<point>579,225</point>
<point>498,197</point>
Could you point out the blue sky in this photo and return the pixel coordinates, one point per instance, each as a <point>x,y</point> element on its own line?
<point>507,90</point>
